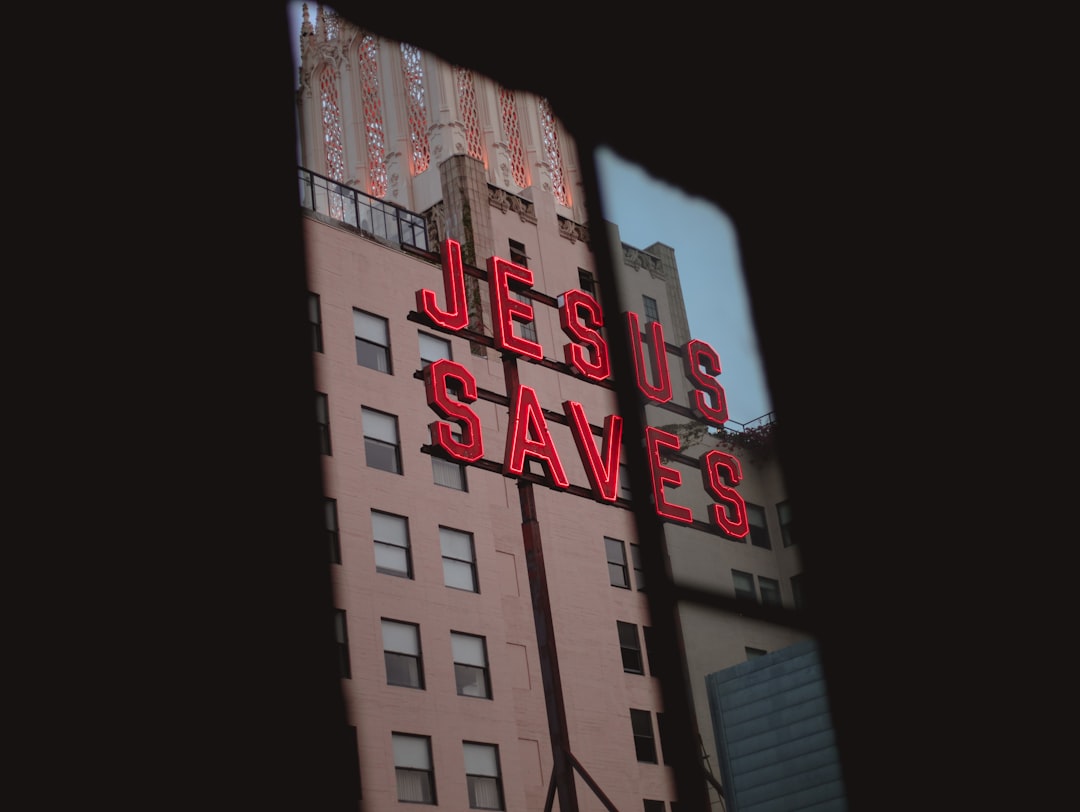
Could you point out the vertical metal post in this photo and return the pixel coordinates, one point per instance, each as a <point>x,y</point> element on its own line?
<point>562,770</point>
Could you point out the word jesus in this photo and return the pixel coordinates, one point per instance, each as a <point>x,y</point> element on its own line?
<point>528,436</point>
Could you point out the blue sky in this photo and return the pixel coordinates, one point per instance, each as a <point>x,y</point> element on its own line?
<point>647,210</point>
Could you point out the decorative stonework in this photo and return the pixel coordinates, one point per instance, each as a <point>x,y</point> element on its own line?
<point>436,223</point>
<point>544,171</point>
<point>393,174</point>
<point>504,202</point>
<point>572,231</point>
<point>638,260</point>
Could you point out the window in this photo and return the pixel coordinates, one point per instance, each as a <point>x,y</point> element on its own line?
<point>528,328</point>
<point>372,341</point>
<point>644,740</point>
<point>616,563</point>
<point>412,766</point>
<point>315,320</point>
<point>482,775</point>
<point>624,481</point>
<point>517,254</point>
<point>586,281</point>
<point>654,806</point>
<point>341,637</point>
<point>333,536</point>
<point>652,313</point>
<point>631,648</point>
<point>770,591</point>
<point>639,572</point>
<point>744,585</point>
<point>755,652</point>
<point>322,418</point>
<point>759,530</point>
<point>783,510</point>
<point>391,535</point>
<point>798,597</point>
<point>401,650</point>
<point>459,561</point>
<point>433,348</point>
<point>448,473</point>
<point>381,440</point>
<point>470,665</point>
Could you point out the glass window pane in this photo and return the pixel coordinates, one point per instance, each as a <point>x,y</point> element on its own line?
<point>389,528</point>
<point>459,575</point>
<point>401,637</point>
<point>480,759</point>
<point>380,426</point>
<point>411,751</point>
<point>432,348</point>
<point>456,544</point>
<point>382,456</point>
<point>468,649</point>
<point>371,328</point>
<point>391,560</point>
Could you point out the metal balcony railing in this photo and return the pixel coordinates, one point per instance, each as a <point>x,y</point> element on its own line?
<point>371,216</point>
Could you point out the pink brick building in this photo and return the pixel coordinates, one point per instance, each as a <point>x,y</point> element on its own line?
<point>488,660</point>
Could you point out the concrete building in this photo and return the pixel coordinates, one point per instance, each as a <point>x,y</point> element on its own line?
<point>506,592</point>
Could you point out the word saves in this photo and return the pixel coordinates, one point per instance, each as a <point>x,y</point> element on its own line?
<point>528,436</point>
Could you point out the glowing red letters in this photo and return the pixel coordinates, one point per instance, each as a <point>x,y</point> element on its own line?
<point>528,435</point>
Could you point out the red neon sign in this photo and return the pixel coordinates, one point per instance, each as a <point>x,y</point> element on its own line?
<point>471,446</point>
<point>720,473</point>
<point>505,309</point>
<point>581,317</point>
<point>601,467</point>
<point>456,316</point>
<point>528,435</point>
<point>658,391</point>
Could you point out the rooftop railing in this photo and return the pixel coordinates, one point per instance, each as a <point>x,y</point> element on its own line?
<point>369,215</point>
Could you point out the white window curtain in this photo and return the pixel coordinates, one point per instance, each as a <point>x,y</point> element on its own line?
<point>390,529</point>
<point>401,638</point>
<point>456,544</point>
<point>468,650</point>
<point>370,328</point>
<point>379,426</point>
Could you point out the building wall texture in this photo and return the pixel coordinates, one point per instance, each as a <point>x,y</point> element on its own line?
<point>349,269</point>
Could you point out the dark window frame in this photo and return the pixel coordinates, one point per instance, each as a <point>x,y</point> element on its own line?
<point>748,594</point>
<point>393,656</point>
<point>333,528</point>
<point>322,423</point>
<point>471,562</point>
<point>315,321</point>
<point>644,741</point>
<point>376,349</point>
<point>783,514</point>
<point>633,660</point>
<point>428,773</point>
<point>376,443</point>
<point>773,586</point>
<point>759,532</point>
<point>620,565</point>
<point>341,639</point>
<point>471,779</point>
<point>407,546</point>
<point>461,668</point>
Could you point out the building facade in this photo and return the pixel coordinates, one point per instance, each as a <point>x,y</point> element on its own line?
<point>477,535</point>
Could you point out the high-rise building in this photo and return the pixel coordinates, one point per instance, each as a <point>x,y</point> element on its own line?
<point>479,477</point>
